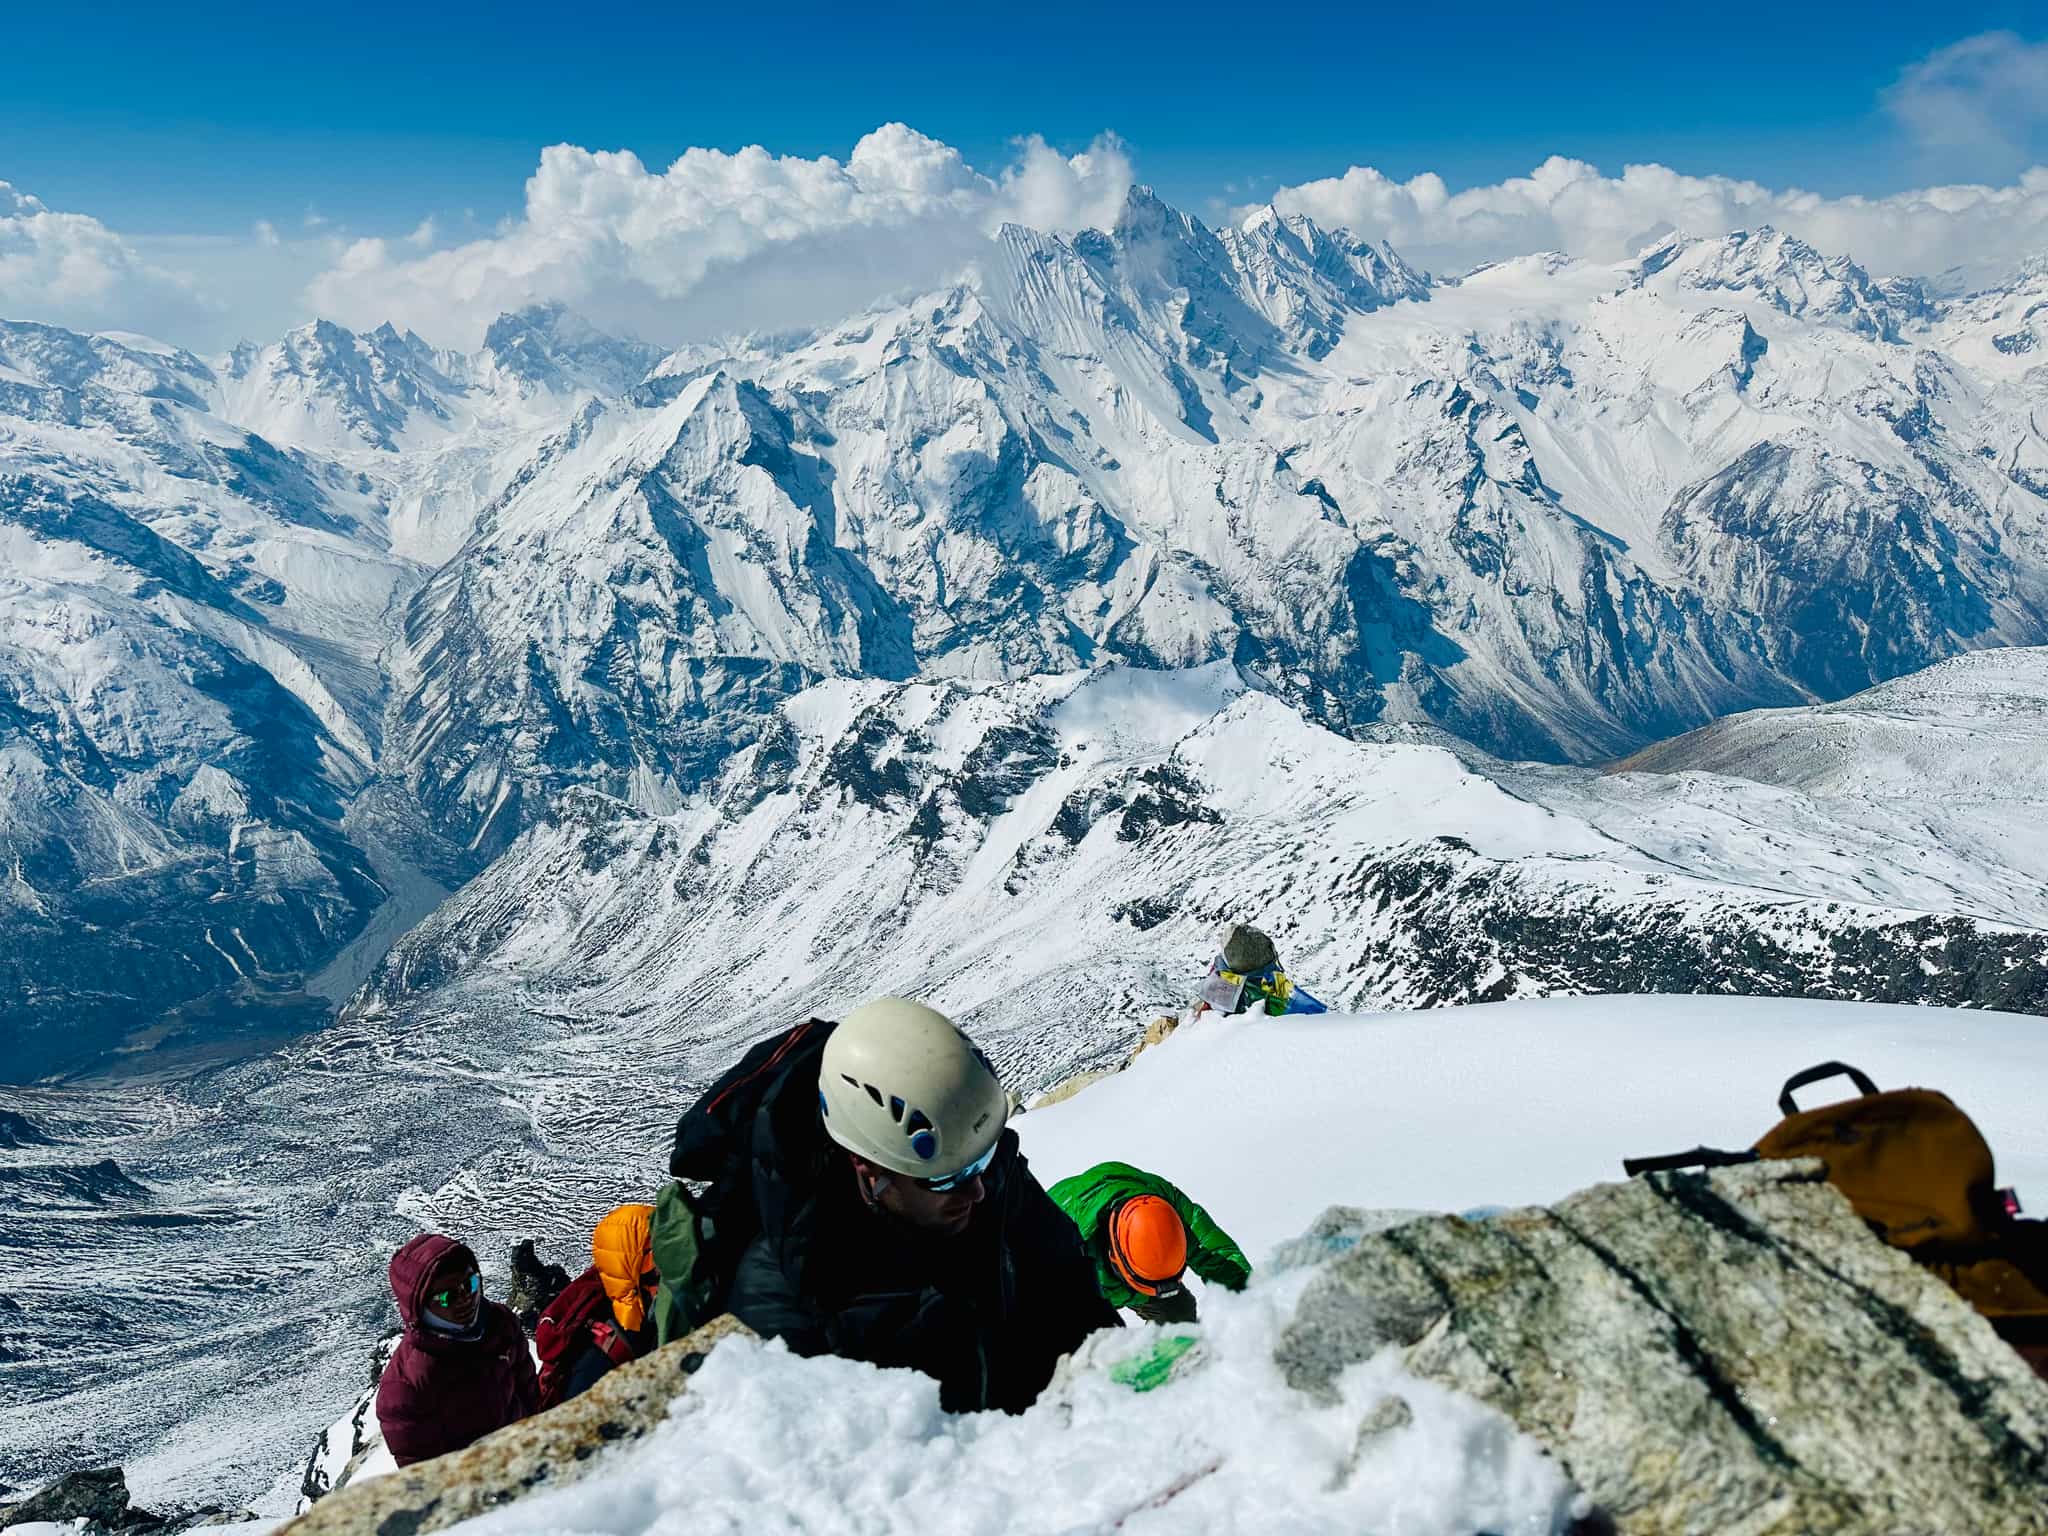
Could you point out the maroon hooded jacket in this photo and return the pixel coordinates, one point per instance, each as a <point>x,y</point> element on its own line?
<point>440,1393</point>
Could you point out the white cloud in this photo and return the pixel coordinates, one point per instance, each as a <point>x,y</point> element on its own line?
<point>1981,104</point>
<point>70,269</point>
<point>722,241</point>
<point>1568,205</point>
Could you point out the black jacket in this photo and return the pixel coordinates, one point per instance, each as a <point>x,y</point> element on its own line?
<point>989,1312</point>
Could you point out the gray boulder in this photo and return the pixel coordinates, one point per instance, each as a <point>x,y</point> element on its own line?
<point>1728,1352</point>
<point>549,1450</point>
<point>96,1495</point>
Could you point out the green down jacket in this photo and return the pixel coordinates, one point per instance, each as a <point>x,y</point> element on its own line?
<point>1089,1197</point>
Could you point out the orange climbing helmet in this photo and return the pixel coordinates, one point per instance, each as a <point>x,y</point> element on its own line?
<point>1148,1244</point>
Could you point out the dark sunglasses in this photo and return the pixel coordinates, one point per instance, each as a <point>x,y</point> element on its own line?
<point>967,1175</point>
<point>455,1293</point>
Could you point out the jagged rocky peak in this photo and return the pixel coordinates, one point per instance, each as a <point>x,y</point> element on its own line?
<point>322,348</point>
<point>1171,266</point>
<point>1146,215</point>
<point>550,348</point>
<point>324,386</point>
<point>1306,279</point>
<point>1785,273</point>
<point>1369,272</point>
<point>56,358</point>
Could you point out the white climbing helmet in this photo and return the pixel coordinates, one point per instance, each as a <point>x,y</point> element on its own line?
<point>902,1087</point>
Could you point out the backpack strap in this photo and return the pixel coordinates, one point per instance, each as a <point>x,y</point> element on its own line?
<point>1789,1106</point>
<point>612,1339</point>
<point>1698,1157</point>
<point>711,1132</point>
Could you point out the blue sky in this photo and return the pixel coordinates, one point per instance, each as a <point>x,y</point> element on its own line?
<point>193,119</point>
<point>205,174</point>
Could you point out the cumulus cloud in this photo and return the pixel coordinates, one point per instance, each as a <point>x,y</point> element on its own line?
<point>1981,103</point>
<point>70,269</point>
<point>1568,205</point>
<point>720,241</point>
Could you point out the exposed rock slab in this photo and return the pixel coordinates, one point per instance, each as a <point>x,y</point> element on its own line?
<point>549,1450</point>
<point>1728,1352</point>
<point>95,1495</point>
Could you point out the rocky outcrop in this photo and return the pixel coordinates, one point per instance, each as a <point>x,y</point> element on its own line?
<point>1153,1033</point>
<point>1451,925</point>
<point>93,1501</point>
<point>549,1450</point>
<point>1728,1352</point>
<point>97,1496</point>
<point>341,1449</point>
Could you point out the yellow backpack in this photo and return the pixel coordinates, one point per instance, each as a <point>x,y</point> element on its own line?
<point>1920,1172</point>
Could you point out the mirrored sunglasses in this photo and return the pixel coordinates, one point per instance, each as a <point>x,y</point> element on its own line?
<point>967,1175</point>
<point>455,1293</point>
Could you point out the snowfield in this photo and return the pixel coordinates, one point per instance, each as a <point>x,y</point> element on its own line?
<point>765,1442</point>
<point>1268,1122</point>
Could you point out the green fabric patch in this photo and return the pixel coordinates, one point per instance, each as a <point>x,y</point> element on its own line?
<point>1156,1367</point>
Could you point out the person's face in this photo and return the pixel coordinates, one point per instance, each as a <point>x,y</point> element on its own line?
<point>455,1292</point>
<point>947,1212</point>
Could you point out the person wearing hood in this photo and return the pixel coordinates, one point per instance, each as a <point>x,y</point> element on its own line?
<point>462,1370</point>
<point>602,1318</point>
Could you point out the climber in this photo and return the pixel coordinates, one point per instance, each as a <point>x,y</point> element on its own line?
<point>866,1200</point>
<point>1246,976</point>
<point>462,1369</point>
<point>601,1319</point>
<point>1144,1235</point>
<point>535,1283</point>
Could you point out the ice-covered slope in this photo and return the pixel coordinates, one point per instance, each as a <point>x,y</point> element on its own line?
<point>1965,732</point>
<point>1049,847</point>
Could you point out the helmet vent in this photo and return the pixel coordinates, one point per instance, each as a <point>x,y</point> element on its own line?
<point>874,1093</point>
<point>919,1121</point>
<point>895,1109</point>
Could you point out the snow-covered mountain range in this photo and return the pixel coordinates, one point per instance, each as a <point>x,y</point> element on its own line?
<point>297,638</point>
